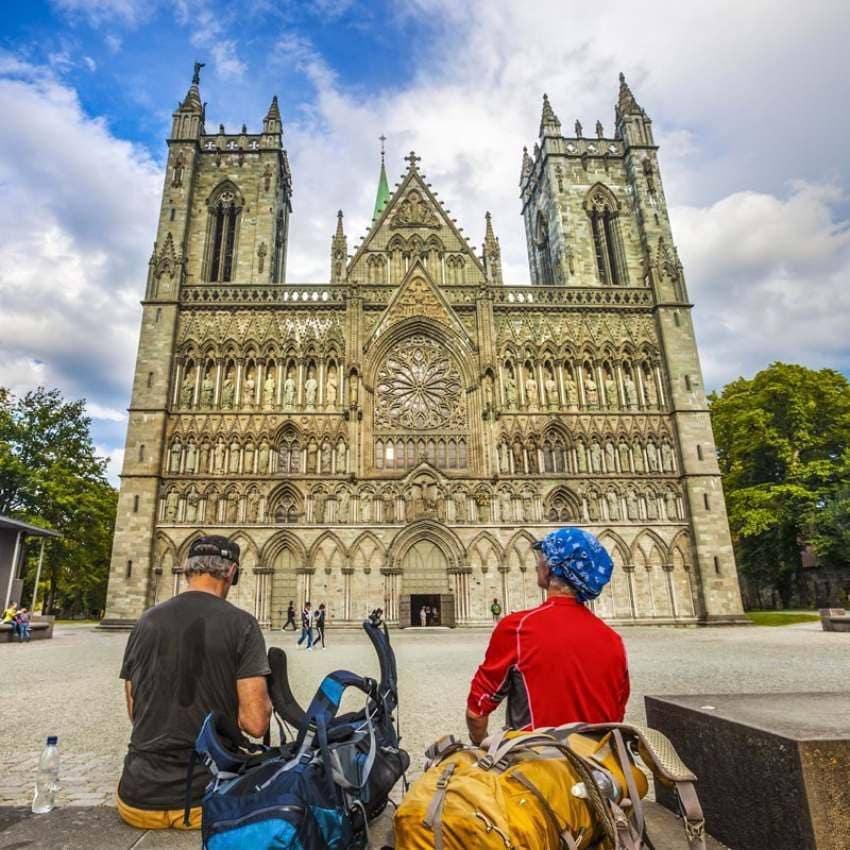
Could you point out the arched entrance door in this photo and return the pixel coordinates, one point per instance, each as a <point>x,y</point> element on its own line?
<point>425,599</point>
<point>284,587</point>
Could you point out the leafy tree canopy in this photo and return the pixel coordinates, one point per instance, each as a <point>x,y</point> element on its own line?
<point>783,444</point>
<point>50,475</point>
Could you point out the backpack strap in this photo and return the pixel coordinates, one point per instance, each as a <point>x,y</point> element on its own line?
<point>692,815</point>
<point>565,837</point>
<point>434,815</point>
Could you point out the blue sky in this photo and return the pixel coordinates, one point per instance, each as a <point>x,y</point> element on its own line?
<point>747,102</point>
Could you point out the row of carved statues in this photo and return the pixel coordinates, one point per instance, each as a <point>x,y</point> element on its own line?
<point>236,456</point>
<point>422,498</point>
<point>586,385</point>
<point>257,384</point>
<point>587,455</point>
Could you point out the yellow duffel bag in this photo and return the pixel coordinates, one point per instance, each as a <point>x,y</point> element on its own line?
<point>570,788</point>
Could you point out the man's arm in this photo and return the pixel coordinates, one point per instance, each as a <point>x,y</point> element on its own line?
<point>255,707</point>
<point>128,694</point>
<point>488,684</point>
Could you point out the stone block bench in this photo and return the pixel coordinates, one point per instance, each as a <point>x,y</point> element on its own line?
<point>40,629</point>
<point>834,620</point>
<point>773,770</point>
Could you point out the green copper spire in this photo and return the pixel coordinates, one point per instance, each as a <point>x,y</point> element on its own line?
<point>383,185</point>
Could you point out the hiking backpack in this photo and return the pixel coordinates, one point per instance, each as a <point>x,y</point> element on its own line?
<point>319,791</point>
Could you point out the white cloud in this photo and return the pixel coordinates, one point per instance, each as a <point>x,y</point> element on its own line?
<point>129,12</point>
<point>90,63</point>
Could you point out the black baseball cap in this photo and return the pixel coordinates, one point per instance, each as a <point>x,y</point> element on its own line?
<point>215,544</point>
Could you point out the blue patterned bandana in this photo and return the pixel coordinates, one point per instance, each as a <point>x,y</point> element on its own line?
<point>578,558</point>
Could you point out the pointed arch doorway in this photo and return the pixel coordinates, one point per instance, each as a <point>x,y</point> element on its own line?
<point>425,594</point>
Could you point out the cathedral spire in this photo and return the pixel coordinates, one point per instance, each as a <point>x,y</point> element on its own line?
<point>492,252</point>
<point>633,125</point>
<point>188,119</point>
<point>549,123</point>
<point>192,101</point>
<point>626,103</point>
<point>272,123</point>
<point>339,252</point>
<point>526,165</point>
<point>383,194</point>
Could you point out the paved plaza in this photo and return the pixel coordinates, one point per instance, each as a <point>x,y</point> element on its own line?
<point>69,686</point>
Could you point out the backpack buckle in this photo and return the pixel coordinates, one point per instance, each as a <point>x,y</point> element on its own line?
<point>486,762</point>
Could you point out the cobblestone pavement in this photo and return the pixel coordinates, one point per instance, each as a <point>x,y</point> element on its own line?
<point>69,687</point>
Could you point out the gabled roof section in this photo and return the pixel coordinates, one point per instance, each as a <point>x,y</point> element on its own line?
<point>413,209</point>
<point>418,297</point>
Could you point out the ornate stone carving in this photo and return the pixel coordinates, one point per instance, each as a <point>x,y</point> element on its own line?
<point>414,211</point>
<point>419,388</point>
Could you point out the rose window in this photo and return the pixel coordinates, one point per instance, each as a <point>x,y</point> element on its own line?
<point>419,388</point>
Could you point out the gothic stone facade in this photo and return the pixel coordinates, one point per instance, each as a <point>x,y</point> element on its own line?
<point>411,426</point>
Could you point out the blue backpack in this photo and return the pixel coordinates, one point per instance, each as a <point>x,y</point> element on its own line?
<point>318,791</point>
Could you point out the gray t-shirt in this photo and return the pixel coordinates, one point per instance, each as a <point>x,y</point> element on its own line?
<point>183,658</point>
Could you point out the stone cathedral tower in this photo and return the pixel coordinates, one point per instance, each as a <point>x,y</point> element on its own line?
<point>399,435</point>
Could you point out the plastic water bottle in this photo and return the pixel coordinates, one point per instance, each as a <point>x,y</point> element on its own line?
<point>47,779</point>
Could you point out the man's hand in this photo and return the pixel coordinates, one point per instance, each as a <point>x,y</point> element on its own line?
<point>477,727</point>
<point>255,707</point>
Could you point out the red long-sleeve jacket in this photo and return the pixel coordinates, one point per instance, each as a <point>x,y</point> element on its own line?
<point>557,663</point>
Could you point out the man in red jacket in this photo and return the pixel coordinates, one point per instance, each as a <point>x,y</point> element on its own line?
<point>557,663</point>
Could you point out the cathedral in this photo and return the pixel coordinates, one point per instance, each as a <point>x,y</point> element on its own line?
<point>399,435</point>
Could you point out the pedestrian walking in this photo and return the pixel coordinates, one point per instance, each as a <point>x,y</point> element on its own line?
<point>496,610</point>
<point>290,618</point>
<point>306,627</point>
<point>319,621</point>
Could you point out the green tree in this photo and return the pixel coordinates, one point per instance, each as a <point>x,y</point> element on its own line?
<point>783,443</point>
<point>50,475</point>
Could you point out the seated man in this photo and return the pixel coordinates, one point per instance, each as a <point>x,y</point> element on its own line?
<point>186,657</point>
<point>557,663</point>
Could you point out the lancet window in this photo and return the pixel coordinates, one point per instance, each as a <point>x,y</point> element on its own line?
<point>602,209</point>
<point>224,212</point>
<point>544,256</point>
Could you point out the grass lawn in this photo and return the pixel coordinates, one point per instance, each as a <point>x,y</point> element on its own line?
<point>781,618</point>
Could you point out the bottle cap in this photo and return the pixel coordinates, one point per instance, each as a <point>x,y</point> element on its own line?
<point>52,740</point>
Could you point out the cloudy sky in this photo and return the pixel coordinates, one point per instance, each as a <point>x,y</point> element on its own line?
<point>749,103</point>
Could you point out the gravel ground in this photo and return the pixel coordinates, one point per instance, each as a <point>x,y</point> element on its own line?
<point>69,686</point>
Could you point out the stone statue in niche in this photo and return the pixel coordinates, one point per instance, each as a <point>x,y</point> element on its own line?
<point>364,505</point>
<point>671,505</point>
<point>289,390</point>
<point>231,509</point>
<point>610,390</point>
<point>581,457</point>
<point>187,390</point>
<point>650,396</point>
<point>551,389</point>
<point>624,456</point>
<point>459,499</point>
<point>637,457</point>
<point>311,387</point>
<point>504,457</point>
<point>234,455</point>
<point>211,508</point>
<point>312,453</point>
<point>218,456</point>
<point>652,456</point>
<point>483,502</point>
<point>507,512</point>
<point>268,391</point>
<point>207,390</point>
<point>629,391</point>
<point>595,457</point>
<point>228,391</point>
<point>353,389</point>
<point>570,389</point>
<point>531,392</point>
<point>176,452</point>
<point>610,457</point>
<point>263,456</point>
<point>248,459</point>
<point>191,457</point>
<point>533,466</point>
<point>651,505</point>
<point>179,166</point>
<point>613,506</point>
<point>593,507</point>
<point>326,456</point>
<point>171,502</point>
<point>488,393</point>
<point>319,501</point>
<point>527,506</point>
<point>192,501</point>
<point>340,457</point>
<point>632,505</point>
<point>591,393</point>
<point>667,457</point>
<point>248,390</point>
<point>519,465</point>
<point>331,388</point>
<point>389,507</point>
<point>510,390</point>
<point>205,457</point>
<point>252,506</point>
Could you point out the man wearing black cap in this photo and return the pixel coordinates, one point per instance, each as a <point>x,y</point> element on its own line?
<point>186,657</point>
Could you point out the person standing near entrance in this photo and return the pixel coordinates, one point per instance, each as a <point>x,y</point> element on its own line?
<point>319,621</point>
<point>306,627</point>
<point>557,663</point>
<point>496,610</point>
<point>290,617</point>
<point>423,616</point>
